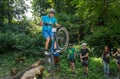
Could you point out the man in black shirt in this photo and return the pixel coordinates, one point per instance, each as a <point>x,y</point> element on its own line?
<point>84,58</point>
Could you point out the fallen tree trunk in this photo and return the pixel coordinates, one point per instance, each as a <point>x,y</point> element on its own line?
<point>33,72</point>
<point>20,74</point>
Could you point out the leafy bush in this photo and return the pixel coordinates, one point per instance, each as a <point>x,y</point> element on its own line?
<point>21,42</point>
<point>7,41</point>
<point>103,36</point>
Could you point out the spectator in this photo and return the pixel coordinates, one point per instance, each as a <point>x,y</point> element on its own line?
<point>106,60</point>
<point>84,58</point>
<point>72,57</point>
<point>117,54</point>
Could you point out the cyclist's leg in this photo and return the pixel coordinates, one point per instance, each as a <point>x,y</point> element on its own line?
<point>47,37</point>
<point>55,45</point>
<point>53,38</point>
<point>47,43</point>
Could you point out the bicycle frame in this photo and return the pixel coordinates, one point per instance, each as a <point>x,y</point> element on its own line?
<point>52,50</point>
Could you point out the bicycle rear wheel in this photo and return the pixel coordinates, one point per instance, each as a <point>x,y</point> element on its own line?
<point>49,62</point>
<point>62,38</point>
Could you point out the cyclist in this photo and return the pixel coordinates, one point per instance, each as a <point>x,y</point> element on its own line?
<point>84,58</point>
<point>46,22</point>
<point>71,57</point>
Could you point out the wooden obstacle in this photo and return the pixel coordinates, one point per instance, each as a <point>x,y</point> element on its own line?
<point>33,69</point>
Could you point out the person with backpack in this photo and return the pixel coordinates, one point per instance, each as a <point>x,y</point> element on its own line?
<point>84,53</point>
<point>71,57</point>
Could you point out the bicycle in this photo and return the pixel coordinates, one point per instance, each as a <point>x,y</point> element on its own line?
<point>61,36</point>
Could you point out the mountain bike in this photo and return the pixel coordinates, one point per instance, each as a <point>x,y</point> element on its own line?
<point>61,37</point>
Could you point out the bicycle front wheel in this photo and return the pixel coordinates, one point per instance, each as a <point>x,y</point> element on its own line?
<point>62,38</point>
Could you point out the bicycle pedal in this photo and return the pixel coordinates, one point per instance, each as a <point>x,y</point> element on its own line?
<point>57,50</point>
<point>54,52</point>
<point>46,53</point>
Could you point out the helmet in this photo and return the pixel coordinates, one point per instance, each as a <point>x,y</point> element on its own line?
<point>52,11</point>
<point>83,44</point>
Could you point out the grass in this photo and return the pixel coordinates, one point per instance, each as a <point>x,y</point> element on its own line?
<point>7,61</point>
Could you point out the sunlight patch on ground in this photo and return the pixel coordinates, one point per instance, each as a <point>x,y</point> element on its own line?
<point>96,59</point>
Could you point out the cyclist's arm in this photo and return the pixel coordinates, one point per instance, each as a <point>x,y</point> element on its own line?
<point>58,25</point>
<point>41,23</point>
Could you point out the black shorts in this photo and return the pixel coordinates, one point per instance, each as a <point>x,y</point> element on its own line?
<point>85,63</point>
<point>72,60</point>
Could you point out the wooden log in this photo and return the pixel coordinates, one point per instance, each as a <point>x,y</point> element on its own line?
<point>33,72</point>
<point>20,74</point>
<point>13,71</point>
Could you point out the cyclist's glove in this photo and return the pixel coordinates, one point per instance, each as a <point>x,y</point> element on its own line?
<point>59,27</point>
<point>46,24</point>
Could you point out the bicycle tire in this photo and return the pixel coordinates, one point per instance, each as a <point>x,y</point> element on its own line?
<point>59,38</point>
<point>49,62</point>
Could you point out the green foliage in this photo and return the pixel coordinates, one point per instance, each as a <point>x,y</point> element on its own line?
<point>25,38</point>
<point>103,36</point>
<point>40,6</point>
<point>20,42</point>
<point>11,9</point>
<point>96,22</point>
<point>100,21</point>
<point>73,25</point>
